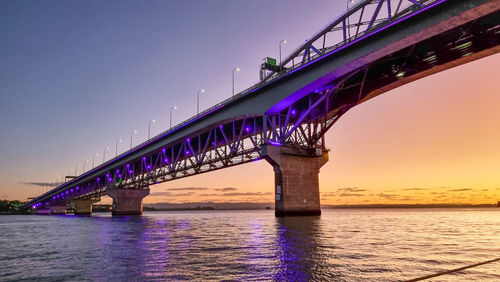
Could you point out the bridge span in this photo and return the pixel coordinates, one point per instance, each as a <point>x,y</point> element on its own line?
<point>374,47</point>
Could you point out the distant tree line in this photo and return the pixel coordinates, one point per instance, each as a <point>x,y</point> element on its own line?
<point>9,206</point>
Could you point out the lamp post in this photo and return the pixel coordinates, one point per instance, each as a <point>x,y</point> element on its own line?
<point>116,146</point>
<point>132,134</point>
<point>348,28</point>
<point>198,101</point>
<point>281,43</point>
<point>93,159</point>
<point>149,128</point>
<point>234,70</point>
<point>104,154</point>
<point>171,109</point>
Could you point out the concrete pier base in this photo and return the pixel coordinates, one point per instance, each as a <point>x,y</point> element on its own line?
<point>296,179</point>
<point>57,210</point>
<point>127,201</point>
<point>83,207</point>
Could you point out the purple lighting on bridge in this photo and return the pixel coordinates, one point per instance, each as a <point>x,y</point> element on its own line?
<point>53,197</point>
<point>247,129</point>
<point>166,160</point>
<point>275,143</point>
<point>188,140</point>
<point>71,190</point>
<point>143,158</point>
<point>294,112</point>
<point>163,150</point>
<point>77,188</point>
<point>130,171</point>
<point>148,167</point>
<point>128,165</point>
<point>187,153</point>
<point>98,179</point>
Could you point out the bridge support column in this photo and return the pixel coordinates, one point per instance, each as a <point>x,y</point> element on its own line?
<point>84,206</point>
<point>57,210</point>
<point>127,201</point>
<point>296,179</point>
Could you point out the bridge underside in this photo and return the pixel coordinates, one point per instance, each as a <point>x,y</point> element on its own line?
<point>296,127</point>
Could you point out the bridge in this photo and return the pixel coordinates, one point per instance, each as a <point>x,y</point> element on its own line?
<point>376,46</point>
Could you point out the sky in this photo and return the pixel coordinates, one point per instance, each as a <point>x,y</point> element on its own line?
<point>76,76</point>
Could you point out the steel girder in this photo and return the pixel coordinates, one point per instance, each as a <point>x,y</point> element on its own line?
<point>361,20</point>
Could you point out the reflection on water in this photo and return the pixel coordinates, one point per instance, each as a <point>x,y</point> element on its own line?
<point>341,245</point>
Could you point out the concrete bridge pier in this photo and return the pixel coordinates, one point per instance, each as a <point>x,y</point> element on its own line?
<point>58,210</point>
<point>127,201</point>
<point>296,179</point>
<point>84,206</point>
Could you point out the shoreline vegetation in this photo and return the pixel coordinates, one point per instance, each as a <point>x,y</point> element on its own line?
<point>13,207</point>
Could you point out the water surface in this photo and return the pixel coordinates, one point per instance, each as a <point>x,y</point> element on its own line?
<point>341,245</point>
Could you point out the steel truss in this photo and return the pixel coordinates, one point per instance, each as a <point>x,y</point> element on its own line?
<point>361,20</point>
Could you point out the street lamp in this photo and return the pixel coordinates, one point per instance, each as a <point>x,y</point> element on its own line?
<point>281,43</point>
<point>116,146</point>
<point>198,103</point>
<point>149,127</point>
<point>348,28</point>
<point>171,109</point>
<point>104,154</point>
<point>86,161</point>
<point>234,70</point>
<point>93,159</point>
<point>132,134</point>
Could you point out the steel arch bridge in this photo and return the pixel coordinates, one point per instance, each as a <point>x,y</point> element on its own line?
<point>376,46</point>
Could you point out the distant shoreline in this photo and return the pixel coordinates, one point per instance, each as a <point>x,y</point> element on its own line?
<point>399,206</point>
<point>270,206</point>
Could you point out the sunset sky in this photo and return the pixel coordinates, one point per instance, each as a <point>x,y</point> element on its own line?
<point>75,76</point>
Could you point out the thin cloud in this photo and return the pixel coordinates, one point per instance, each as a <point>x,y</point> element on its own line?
<point>351,189</point>
<point>169,194</point>
<point>238,194</point>
<point>188,189</point>
<point>247,194</point>
<point>227,189</point>
<point>416,189</point>
<point>460,190</point>
<point>43,184</point>
<point>387,196</point>
<point>351,195</point>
